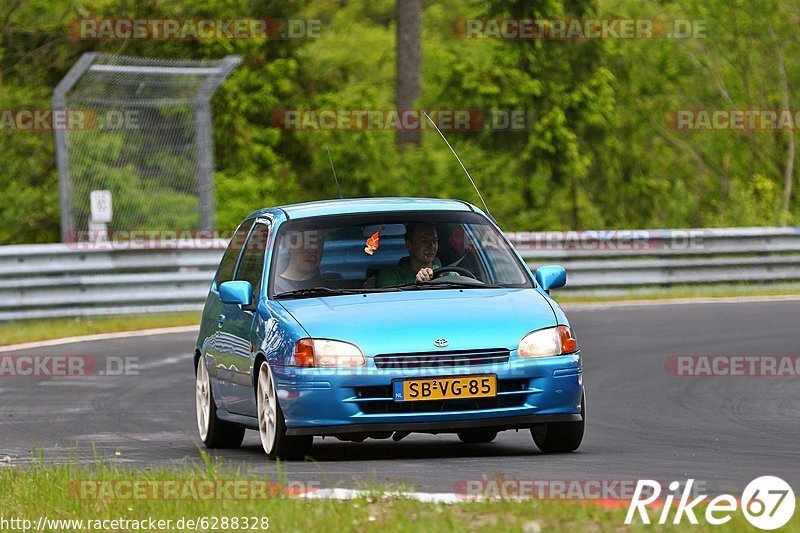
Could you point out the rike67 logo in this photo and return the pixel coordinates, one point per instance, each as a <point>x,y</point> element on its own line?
<point>767,502</point>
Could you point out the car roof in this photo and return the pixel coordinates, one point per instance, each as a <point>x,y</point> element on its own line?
<point>367,205</point>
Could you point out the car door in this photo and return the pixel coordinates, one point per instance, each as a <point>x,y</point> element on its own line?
<point>237,356</point>
<point>213,312</point>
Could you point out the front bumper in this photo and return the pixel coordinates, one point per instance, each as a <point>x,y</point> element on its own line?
<point>336,401</point>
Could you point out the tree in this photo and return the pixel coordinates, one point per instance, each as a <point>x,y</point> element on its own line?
<point>409,63</point>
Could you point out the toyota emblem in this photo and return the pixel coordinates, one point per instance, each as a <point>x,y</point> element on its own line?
<point>441,343</point>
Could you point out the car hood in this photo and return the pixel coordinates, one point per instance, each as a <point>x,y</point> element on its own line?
<point>407,322</point>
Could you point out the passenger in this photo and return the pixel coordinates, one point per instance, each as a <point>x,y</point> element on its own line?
<point>422,243</point>
<point>305,255</point>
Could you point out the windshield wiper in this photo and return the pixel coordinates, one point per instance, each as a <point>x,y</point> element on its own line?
<point>314,292</point>
<point>449,284</point>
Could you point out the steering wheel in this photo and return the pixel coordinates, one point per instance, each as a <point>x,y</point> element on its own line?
<point>458,270</point>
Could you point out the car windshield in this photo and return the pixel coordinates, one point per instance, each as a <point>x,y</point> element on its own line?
<point>378,252</point>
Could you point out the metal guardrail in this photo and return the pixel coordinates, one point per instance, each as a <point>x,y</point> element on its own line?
<point>50,280</point>
<point>600,260</point>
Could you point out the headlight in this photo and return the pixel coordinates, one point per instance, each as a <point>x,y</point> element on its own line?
<point>547,342</point>
<point>326,353</point>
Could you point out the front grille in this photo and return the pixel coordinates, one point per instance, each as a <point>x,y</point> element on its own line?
<point>441,359</point>
<point>388,406</point>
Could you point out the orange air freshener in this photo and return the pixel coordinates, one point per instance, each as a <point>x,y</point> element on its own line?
<point>373,243</point>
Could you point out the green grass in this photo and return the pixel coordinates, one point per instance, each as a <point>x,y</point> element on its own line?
<point>18,331</point>
<point>39,490</point>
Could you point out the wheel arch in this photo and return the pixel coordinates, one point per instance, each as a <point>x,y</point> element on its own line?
<point>259,358</point>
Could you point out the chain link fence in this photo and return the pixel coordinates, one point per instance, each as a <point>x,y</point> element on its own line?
<point>141,129</point>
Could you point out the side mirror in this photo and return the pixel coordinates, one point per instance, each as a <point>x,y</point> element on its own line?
<point>551,277</point>
<point>236,292</point>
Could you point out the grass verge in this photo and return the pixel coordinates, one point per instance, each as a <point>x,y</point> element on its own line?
<point>18,331</point>
<point>677,292</point>
<point>54,493</point>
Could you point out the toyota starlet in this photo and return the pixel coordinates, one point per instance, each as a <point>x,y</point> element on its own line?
<point>376,318</point>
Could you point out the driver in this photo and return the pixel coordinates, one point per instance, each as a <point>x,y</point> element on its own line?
<point>422,243</point>
<point>305,255</point>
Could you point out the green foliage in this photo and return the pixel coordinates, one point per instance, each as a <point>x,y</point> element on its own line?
<point>598,151</point>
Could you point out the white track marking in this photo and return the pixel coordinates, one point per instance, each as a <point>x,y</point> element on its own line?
<point>350,494</point>
<point>99,337</point>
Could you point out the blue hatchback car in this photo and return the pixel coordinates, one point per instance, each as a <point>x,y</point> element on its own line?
<point>375,318</point>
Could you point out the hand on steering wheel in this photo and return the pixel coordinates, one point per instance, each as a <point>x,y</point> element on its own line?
<point>458,270</point>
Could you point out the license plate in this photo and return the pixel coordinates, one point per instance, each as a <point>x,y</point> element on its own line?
<point>415,390</point>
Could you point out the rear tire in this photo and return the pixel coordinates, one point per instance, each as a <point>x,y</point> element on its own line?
<point>560,437</point>
<point>271,424</point>
<point>214,433</point>
<point>477,436</point>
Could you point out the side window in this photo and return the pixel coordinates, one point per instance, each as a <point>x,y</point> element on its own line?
<point>505,268</point>
<point>228,263</point>
<point>252,264</point>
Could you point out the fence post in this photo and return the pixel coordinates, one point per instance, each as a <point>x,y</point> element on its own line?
<point>205,141</point>
<point>61,139</point>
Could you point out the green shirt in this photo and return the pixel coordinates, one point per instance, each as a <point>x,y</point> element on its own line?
<point>397,275</point>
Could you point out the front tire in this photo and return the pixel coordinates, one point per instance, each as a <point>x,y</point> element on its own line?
<point>214,433</point>
<point>560,437</point>
<point>271,424</point>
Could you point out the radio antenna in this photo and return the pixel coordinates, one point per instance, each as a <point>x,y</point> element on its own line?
<point>334,173</point>
<point>460,163</point>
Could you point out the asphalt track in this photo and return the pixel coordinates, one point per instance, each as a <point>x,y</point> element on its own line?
<point>641,421</point>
